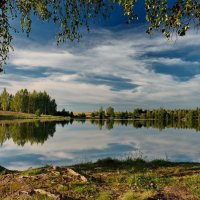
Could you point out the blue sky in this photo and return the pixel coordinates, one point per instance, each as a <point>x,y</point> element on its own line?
<point>115,64</point>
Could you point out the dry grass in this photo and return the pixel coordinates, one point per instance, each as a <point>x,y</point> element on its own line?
<point>88,114</point>
<point>12,117</point>
<point>106,180</point>
<point>10,113</point>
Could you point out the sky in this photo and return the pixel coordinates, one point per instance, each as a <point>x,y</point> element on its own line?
<point>115,65</point>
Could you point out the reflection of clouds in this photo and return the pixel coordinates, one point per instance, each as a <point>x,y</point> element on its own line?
<point>112,150</point>
<point>21,160</point>
<point>79,142</point>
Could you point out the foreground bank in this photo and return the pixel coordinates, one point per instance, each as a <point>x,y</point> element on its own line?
<point>106,179</point>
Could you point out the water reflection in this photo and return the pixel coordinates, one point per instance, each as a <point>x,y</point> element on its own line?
<point>28,144</point>
<point>22,132</point>
<point>38,132</point>
<point>161,125</point>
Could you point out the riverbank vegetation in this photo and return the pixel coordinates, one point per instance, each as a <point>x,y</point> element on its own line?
<point>25,104</point>
<point>28,102</point>
<point>160,114</point>
<point>9,116</point>
<point>105,180</point>
<point>32,105</point>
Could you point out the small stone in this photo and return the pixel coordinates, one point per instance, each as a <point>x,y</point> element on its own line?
<point>56,168</point>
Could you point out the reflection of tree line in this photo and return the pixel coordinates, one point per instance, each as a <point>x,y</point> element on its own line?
<point>160,124</point>
<point>32,132</point>
<point>39,132</point>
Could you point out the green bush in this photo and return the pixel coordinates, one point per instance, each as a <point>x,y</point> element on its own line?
<point>37,113</point>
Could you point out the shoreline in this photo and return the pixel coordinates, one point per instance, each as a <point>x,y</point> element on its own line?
<point>7,116</point>
<point>103,180</point>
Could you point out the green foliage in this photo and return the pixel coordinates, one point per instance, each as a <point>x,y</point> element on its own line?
<point>71,15</point>
<point>28,102</point>
<point>157,118</point>
<point>2,169</point>
<point>123,115</point>
<point>137,113</point>
<point>37,113</point>
<point>5,100</point>
<point>108,162</point>
<point>81,116</point>
<point>101,113</point>
<point>163,163</point>
<point>172,19</point>
<point>110,112</point>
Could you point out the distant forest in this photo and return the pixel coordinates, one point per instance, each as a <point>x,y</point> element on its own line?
<point>28,102</point>
<point>161,114</point>
<point>41,103</point>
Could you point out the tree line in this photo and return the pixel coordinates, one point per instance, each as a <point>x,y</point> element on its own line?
<point>28,102</point>
<point>160,114</point>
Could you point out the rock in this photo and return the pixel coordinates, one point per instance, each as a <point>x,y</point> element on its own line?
<point>72,172</point>
<point>55,168</point>
<point>43,192</point>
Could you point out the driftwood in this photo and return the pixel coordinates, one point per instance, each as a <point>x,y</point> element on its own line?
<point>73,173</point>
<point>43,192</point>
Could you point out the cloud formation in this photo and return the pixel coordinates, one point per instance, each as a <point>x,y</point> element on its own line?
<point>110,67</point>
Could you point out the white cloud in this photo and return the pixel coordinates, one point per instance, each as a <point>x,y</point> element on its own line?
<point>173,61</point>
<point>119,54</point>
<point>37,57</point>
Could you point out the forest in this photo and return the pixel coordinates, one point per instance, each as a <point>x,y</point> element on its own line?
<point>41,103</point>
<point>161,114</point>
<point>28,102</point>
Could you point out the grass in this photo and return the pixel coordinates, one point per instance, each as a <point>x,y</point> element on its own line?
<point>193,184</point>
<point>32,172</point>
<point>146,181</point>
<point>9,115</point>
<point>104,196</point>
<point>108,179</point>
<point>137,196</point>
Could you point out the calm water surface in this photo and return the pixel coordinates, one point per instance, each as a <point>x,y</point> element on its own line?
<point>31,144</point>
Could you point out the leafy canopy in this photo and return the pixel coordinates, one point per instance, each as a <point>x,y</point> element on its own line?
<point>70,15</point>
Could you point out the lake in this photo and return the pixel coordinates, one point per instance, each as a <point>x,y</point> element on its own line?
<point>27,144</point>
